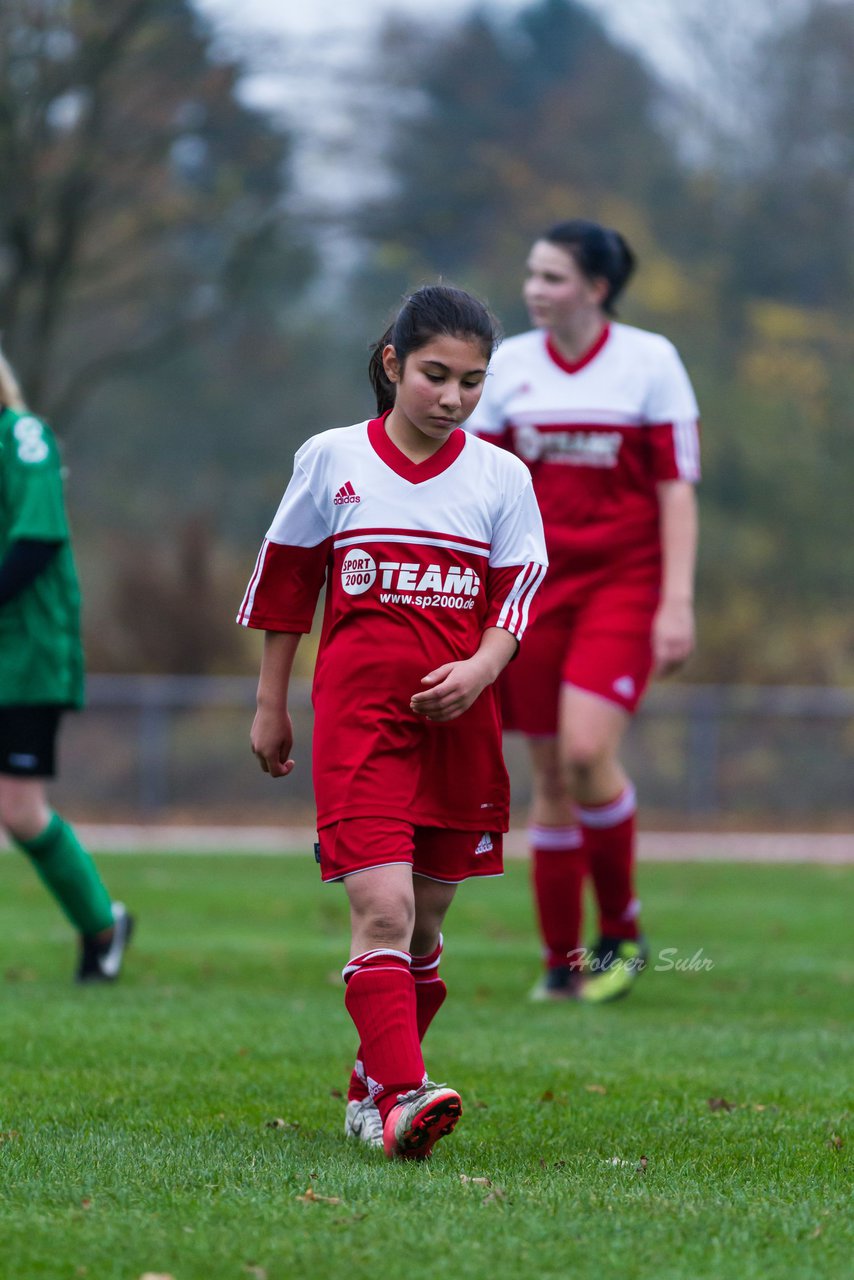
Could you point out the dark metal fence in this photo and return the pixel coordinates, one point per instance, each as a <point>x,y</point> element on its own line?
<point>178,746</point>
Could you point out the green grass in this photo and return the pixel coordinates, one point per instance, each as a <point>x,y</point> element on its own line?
<point>135,1118</point>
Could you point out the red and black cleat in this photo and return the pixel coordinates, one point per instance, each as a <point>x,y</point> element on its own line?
<point>421,1117</point>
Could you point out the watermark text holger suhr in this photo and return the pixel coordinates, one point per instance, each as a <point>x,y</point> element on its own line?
<point>669,959</point>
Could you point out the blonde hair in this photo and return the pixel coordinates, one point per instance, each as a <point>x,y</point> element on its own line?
<point>10,391</point>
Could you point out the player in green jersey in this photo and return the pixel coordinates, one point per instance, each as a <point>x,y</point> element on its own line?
<point>41,676</point>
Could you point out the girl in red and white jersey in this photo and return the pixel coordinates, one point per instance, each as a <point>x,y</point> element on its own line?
<point>605,417</point>
<point>431,546</point>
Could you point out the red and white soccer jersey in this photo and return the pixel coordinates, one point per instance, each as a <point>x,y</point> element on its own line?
<point>598,437</point>
<point>418,559</point>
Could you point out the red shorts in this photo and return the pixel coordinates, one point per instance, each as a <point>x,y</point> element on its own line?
<point>438,853</point>
<point>596,647</point>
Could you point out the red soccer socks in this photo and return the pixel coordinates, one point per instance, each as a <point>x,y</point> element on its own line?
<point>558,866</point>
<point>381,1000</point>
<point>430,992</point>
<point>609,842</point>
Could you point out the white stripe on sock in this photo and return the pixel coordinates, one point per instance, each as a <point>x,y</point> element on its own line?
<point>555,838</point>
<point>610,815</point>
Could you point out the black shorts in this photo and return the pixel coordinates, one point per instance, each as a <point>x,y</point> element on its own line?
<point>28,741</point>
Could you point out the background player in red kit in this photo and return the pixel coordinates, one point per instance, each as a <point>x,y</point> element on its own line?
<point>605,417</point>
<point>432,549</point>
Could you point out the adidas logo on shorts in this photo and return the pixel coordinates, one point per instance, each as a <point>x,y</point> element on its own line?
<point>485,844</point>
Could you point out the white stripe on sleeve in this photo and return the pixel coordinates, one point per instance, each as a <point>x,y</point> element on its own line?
<point>249,599</point>
<point>686,444</point>
<point>515,610</point>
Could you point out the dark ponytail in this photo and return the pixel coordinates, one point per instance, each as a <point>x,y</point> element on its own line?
<point>601,254</point>
<point>383,389</point>
<point>428,313</point>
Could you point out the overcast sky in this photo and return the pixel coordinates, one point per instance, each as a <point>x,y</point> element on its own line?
<point>310,16</point>
<point>647,24</point>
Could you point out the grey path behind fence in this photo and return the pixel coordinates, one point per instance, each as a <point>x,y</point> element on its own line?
<point>655,846</point>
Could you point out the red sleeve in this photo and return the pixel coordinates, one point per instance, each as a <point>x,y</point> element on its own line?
<point>675,450</point>
<point>510,594</point>
<point>283,590</point>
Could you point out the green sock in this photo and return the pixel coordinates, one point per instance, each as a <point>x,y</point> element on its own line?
<point>71,876</point>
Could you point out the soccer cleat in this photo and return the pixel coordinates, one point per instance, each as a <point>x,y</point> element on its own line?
<point>363,1121</point>
<point>614,968</point>
<point>559,983</point>
<point>102,961</point>
<point>420,1119</point>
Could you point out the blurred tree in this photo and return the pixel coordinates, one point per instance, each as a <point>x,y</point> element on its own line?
<point>510,126</point>
<point>795,222</point>
<point>182,627</point>
<point>141,203</point>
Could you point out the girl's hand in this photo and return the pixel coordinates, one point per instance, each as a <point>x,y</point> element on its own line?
<point>452,688</point>
<point>672,635</point>
<point>272,739</point>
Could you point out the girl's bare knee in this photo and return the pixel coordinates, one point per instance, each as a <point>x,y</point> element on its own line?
<point>385,924</point>
<point>23,808</point>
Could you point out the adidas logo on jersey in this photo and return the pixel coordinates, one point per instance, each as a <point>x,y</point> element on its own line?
<point>346,494</point>
<point>624,686</point>
<point>485,845</point>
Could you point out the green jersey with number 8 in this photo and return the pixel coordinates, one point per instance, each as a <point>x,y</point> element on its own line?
<point>41,656</point>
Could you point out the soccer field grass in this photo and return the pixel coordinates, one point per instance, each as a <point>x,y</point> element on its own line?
<point>698,1129</point>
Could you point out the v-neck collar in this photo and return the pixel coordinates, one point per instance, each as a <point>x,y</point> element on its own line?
<point>574,366</point>
<point>414,472</point>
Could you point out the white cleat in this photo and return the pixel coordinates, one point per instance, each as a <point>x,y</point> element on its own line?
<point>363,1122</point>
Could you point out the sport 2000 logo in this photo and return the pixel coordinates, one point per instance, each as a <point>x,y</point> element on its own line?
<point>358,572</point>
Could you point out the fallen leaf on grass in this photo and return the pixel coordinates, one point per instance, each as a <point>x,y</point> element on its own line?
<point>335,1093</point>
<point>10,1135</point>
<point>475,1182</point>
<point>345,1222</point>
<point>814,1235</point>
<point>720,1104</point>
<point>642,1163</point>
<point>496,1195</point>
<point>559,1099</point>
<point>257,1272</point>
<point>21,975</point>
<point>279,1123</point>
<point>836,1142</point>
<point>481,1106</point>
<point>86,1204</point>
<point>595,1088</point>
<point>311,1197</point>
<point>156,1275</point>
